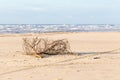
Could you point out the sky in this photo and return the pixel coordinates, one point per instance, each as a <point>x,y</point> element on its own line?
<point>59,11</point>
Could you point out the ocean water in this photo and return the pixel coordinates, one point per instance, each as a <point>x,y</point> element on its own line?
<point>40,28</point>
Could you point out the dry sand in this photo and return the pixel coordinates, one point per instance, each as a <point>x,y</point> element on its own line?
<point>15,65</point>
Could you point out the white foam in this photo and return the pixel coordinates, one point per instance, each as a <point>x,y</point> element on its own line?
<point>49,28</point>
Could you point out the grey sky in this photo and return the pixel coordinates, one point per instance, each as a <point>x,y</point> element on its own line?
<point>59,11</point>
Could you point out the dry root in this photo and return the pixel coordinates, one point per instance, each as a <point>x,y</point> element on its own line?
<point>38,46</point>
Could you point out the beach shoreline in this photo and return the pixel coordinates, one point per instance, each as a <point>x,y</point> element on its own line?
<point>15,65</point>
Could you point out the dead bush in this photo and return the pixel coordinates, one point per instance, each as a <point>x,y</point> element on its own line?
<point>39,46</point>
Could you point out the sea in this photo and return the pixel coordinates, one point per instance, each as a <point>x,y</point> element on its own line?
<point>42,28</point>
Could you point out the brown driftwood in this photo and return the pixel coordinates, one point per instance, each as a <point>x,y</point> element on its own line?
<point>39,46</point>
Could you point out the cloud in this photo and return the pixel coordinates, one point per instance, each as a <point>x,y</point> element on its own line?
<point>38,9</point>
<point>92,17</point>
<point>70,17</point>
<point>35,9</point>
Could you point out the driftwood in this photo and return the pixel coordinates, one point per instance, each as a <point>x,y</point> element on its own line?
<point>39,46</point>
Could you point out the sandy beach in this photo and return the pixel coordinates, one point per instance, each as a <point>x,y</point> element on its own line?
<point>15,65</point>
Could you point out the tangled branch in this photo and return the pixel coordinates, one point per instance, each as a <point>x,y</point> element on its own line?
<point>39,46</point>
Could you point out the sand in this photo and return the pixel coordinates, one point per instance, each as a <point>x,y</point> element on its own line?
<point>15,65</point>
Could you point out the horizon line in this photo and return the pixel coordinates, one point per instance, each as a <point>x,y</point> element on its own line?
<point>58,24</point>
